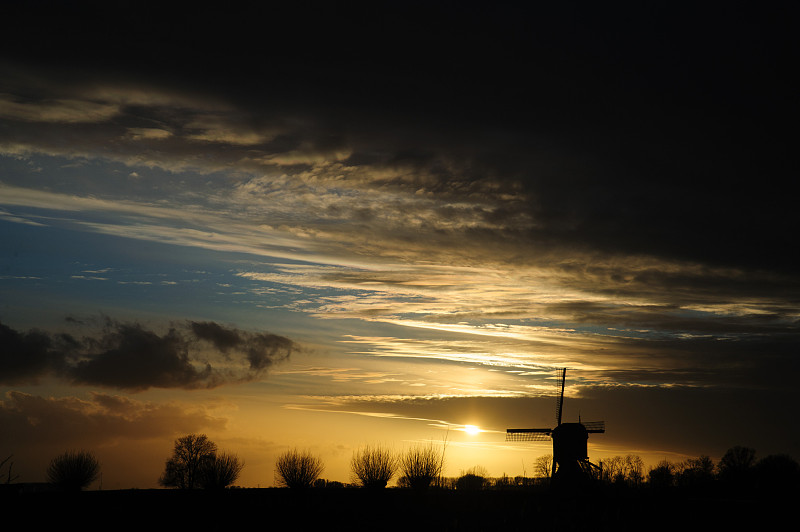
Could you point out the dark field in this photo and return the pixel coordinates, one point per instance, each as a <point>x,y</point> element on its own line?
<point>396,509</point>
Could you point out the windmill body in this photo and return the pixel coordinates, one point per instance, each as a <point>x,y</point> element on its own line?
<point>570,457</point>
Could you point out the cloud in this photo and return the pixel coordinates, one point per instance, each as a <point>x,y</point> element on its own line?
<point>57,110</point>
<point>130,357</point>
<point>261,350</point>
<point>71,421</point>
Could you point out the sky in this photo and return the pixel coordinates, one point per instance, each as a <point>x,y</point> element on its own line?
<point>328,226</point>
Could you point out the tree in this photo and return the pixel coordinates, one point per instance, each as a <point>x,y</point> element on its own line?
<point>662,475</point>
<point>474,478</point>
<point>9,476</point>
<point>736,466</point>
<point>635,469</point>
<point>190,455</point>
<point>373,467</point>
<point>73,470</point>
<point>421,465</point>
<point>697,472</point>
<point>296,469</point>
<point>220,471</point>
<point>544,466</point>
<point>777,474</point>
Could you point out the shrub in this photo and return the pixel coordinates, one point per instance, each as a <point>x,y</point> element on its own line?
<point>73,471</point>
<point>373,467</point>
<point>295,469</point>
<point>420,466</point>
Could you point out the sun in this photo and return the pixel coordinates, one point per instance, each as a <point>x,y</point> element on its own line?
<point>472,430</point>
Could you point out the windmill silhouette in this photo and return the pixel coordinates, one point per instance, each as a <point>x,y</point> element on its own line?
<point>571,464</point>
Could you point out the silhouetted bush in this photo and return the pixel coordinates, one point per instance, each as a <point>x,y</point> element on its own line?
<point>295,469</point>
<point>373,467</point>
<point>190,455</point>
<point>73,471</point>
<point>420,466</point>
<point>220,471</point>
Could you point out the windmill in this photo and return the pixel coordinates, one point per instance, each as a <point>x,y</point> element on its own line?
<point>570,461</point>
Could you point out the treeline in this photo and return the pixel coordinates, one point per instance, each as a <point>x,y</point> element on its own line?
<point>197,463</point>
<point>738,469</point>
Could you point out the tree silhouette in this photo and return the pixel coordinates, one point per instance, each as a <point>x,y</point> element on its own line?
<point>220,471</point>
<point>544,466</point>
<point>421,465</point>
<point>474,478</point>
<point>777,473</point>
<point>696,472</point>
<point>662,475</point>
<point>73,470</point>
<point>9,476</point>
<point>190,455</point>
<point>736,466</point>
<point>296,469</point>
<point>373,467</point>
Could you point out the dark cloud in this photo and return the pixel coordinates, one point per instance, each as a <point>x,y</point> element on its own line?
<point>131,357</point>
<point>612,130</point>
<point>261,349</point>
<point>29,419</point>
<point>26,356</point>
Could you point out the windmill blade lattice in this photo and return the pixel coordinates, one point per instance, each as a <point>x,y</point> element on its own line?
<point>528,434</point>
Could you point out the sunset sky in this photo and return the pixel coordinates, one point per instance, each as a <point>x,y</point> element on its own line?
<point>326,227</point>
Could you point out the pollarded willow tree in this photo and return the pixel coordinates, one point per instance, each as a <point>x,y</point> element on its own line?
<point>297,469</point>
<point>421,465</point>
<point>220,471</point>
<point>73,470</point>
<point>373,466</point>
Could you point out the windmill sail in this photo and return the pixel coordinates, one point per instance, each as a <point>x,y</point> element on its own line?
<point>595,426</point>
<point>528,434</point>
<point>560,407</point>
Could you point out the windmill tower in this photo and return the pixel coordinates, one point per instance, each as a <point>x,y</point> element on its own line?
<point>571,463</point>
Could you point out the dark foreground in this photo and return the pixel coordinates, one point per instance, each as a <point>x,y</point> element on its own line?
<point>395,509</point>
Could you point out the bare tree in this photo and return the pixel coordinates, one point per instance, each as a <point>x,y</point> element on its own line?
<point>10,477</point>
<point>220,471</point>
<point>373,467</point>
<point>696,472</point>
<point>190,455</point>
<point>421,465</point>
<point>73,470</point>
<point>634,469</point>
<point>736,465</point>
<point>296,469</point>
<point>662,475</point>
<point>544,466</point>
